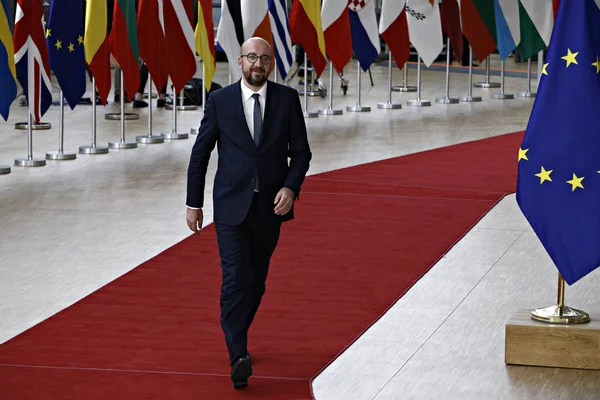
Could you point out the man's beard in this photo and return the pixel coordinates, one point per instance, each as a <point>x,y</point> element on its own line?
<point>256,81</point>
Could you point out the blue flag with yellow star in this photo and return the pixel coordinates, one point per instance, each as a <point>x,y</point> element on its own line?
<point>64,36</point>
<point>558,183</point>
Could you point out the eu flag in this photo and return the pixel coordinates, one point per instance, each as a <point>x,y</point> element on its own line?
<point>64,35</point>
<point>558,184</point>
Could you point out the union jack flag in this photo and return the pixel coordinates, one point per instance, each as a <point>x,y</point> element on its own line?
<point>31,57</point>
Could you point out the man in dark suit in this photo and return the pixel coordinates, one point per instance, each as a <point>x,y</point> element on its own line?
<point>257,125</point>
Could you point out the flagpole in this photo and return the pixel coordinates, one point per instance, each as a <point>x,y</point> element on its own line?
<point>469,98</point>
<point>149,139</point>
<point>122,144</point>
<point>307,114</point>
<point>358,107</point>
<point>173,135</point>
<point>404,88</point>
<point>389,105</point>
<point>559,313</point>
<point>93,149</point>
<point>29,161</point>
<point>487,84</point>
<point>330,110</point>
<point>60,154</point>
<point>447,99</point>
<point>528,93</point>
<point>418,102</point>
<point>502,95</point>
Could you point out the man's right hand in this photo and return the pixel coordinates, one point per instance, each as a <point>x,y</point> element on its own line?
<point>194,220</point>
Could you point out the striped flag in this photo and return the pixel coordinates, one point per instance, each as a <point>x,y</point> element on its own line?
<point>537,20</point>
<point>123,44</point>
<point>205,41</point>
<point>393,27</point>
<point>306,29</point>
<point>95,45</point>
<point>230,34</point>
<point>31,57</point>
<point>507,26</point>
<point>180,41</point>
<point>281,36</point>
<point>151,37</point>
<point>474,14</point>
<point>336,29</point>
<point>8,74</point>
<point>450,14</point>
<point>365,33</point>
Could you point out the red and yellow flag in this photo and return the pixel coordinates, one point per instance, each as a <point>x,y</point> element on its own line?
<point>205,41</point>
<point>306,29</point>
<point>95,44</point>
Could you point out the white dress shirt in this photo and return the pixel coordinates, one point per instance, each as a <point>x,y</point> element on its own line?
<point>248,102</point>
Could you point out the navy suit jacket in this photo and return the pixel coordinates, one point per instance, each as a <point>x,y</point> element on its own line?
<point>240,160</point>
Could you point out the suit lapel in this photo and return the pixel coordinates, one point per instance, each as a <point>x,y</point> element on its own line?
<point>243,134</point>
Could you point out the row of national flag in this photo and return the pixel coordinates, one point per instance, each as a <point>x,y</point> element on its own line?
<point>159,33</point>
<point>337,29</point>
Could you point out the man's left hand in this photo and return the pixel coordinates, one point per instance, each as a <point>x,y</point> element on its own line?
<point>284,201</point>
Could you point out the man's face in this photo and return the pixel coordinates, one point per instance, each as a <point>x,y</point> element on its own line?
<point>256,62</point>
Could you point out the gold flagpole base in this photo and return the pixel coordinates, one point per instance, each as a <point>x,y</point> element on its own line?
<point>560,315</point>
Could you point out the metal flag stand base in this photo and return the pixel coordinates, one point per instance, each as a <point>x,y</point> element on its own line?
<point>29,161</point>
<point>4,169</point>
<point>501,95</point>
<point>358,107</point>
<point>447,99</point>
<point>149,139</point>
<point>61,154</point>
<point>42,126</point>
<point>560,314</point>
<point>181,106</point>
<point>469,98</point>
<point>117,116</point>
<point>307,114</point>
<point>527,94</point>
<point>487,84</point>
<point>122,144</point>
<point>329,110</point>
<point>93,149</point>
<point>173,135</point>
<point>389,105</point>
<point>404,88</point>
<point>418,102</point>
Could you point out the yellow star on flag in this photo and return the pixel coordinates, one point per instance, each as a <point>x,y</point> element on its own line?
<point>48,32</point>
<point>58,45</point>
<point>523,155</point>
<point>80,39</point>
<point>544,175</point>
<point>570,58</point>
<point>71,47</point>
<point>597,64</point>
<point>575,182</point>
<point>544,72</point>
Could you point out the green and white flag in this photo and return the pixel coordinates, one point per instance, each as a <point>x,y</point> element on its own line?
<point>537,21</point>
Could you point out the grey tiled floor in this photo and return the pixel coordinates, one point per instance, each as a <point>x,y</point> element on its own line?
<point>71,227</point>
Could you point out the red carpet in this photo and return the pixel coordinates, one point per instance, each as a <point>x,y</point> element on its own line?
<point>363,236</point>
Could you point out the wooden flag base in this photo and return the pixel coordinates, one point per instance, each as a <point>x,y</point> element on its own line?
<point>533,343</point>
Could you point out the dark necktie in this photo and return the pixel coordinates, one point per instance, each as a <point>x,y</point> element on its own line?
<point>257,120</point>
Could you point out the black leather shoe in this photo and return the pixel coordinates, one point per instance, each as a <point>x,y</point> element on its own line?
<point>240,372</point>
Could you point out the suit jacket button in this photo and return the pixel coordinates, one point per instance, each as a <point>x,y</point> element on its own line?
<point>252,181</point>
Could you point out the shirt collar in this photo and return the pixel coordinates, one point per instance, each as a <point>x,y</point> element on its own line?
<point>247,92</point>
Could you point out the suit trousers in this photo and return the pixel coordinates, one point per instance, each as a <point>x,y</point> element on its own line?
<point>245,252</point>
